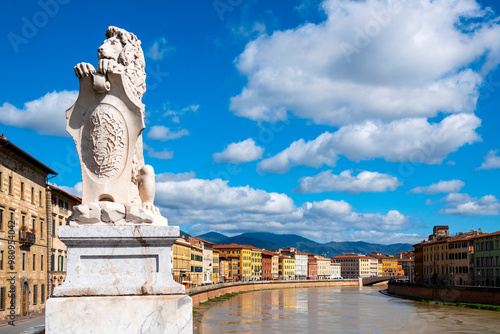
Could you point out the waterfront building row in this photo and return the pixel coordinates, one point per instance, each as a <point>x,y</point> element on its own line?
<point>470,258</point>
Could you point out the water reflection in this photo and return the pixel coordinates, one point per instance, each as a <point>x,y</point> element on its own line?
<point>340,310</point>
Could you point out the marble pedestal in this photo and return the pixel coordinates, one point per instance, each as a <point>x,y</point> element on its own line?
<point>120,314</point>
<point>119,277</point>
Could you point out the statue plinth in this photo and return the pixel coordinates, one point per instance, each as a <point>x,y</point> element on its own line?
<point>118,261</point>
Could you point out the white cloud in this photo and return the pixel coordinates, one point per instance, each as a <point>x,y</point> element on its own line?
<point>410,60</point>
<point>206,205</point>
<point>160,132</point>
<point>491,161</point>
<point>440,187</point>
<point>164,155</point>
<point>365,181</point>
<point>159,49</point>
<point>466,205</point>
<point>243,151</point>
<point>46,115</point>
<point>412,139</point>
<point>166,177</point>
<point>177,114</point>
<point>314,153</point>
<point>75,190</point>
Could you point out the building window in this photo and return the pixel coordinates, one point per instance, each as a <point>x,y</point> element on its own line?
<point>40,198</point>
<point>52,262</point>
<point>23,267</point>
<point>34,262</point>
<point>10,185</point>
<point>34,225</point>
<point>3,293</point>
<point>1,260</point>
<point>53,227</point>
<point>12,217</point>
<point>41,229</point>
<point>35,294</point>
<point>22,190</point>
<point>32,195</point>
<point>1,219</point>
<point>1,182</point>
<point>41,263</point>
<point>42,299</point>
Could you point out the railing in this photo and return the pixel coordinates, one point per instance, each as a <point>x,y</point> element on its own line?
<point>27,238</point>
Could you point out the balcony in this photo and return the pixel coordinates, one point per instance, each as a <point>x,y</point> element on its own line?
<point>26,238</point>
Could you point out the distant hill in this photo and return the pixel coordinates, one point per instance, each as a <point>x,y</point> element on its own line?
<point>272,241</point>
<point>213,237</point>
<point>185,235</point>
<point>258,243</point>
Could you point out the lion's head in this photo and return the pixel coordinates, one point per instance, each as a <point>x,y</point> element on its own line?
<point>124,47</point>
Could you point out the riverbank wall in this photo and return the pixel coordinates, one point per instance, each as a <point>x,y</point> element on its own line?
<point>203,293</point>
<point>451,294</point>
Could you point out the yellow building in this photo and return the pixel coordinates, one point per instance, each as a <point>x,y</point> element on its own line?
<point>181,269</point>
<point>286,267</point>
<point>62,206</point>
<point>256,264</point>
<point>196,273</point>
<point>23,232</point>
<point>244,254</point>
<point>216,275</point>
<point>324,268</point>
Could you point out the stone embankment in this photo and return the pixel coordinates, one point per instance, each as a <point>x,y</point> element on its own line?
<point>204,293</point>
<point>452,294</point>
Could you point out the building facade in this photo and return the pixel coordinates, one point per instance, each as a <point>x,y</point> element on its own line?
<point>181,267</point>
<point>336,271</point>
<point>256,264</point>
<point>353,266</point>
<point>24,232</point>
<point>487,259</point>
<point>62,204</point>
<point>286,267</point>
<point>244,254</point>
<point>324,267</point>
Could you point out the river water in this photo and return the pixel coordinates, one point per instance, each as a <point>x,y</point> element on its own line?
<point>341,310</point>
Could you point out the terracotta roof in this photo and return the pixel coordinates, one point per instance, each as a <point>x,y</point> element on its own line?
<point>234,246</point>
<point>483,235</point>
<point>351,257</point>
<point>266,252</point>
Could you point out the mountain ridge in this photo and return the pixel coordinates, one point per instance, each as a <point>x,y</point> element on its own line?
<point>273,241</point>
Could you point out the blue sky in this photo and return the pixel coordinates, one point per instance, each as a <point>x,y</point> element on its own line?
<point>335,120</point>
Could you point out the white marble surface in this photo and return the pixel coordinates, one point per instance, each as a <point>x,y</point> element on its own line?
<point>106,123</point>
<point>126,314</point>
<point>119,260</point>
<point>110,213</point>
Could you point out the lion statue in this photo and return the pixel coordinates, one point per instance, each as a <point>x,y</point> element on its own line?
<point>121,52</point>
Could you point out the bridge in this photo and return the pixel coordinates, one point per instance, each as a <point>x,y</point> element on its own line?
<point>378,279</point>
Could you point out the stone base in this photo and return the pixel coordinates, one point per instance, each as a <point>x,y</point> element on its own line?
<point>120,314</point>
<point>118,261</point>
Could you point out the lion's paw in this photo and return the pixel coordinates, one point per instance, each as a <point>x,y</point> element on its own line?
<point>84,69</point>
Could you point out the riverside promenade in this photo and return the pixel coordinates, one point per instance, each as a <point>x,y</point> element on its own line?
<point>203,293</point>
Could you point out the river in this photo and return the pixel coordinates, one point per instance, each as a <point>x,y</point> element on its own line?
<point>340,310</point>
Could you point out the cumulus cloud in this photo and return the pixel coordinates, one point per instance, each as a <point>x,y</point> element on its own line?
<point>466,205</point>
<point>451,186</point>
<point>406,59</point>
<point>365,181</point>
<point>206,205</point>
<point>159,49</point>
<point>491,161</point>
<point>46,115</point>
<point>160,132</point>
<point>243,151</point>
<point>411,139</point>
<point>164,155</point>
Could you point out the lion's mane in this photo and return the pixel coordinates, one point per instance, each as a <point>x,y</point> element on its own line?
<point>132,59</point>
